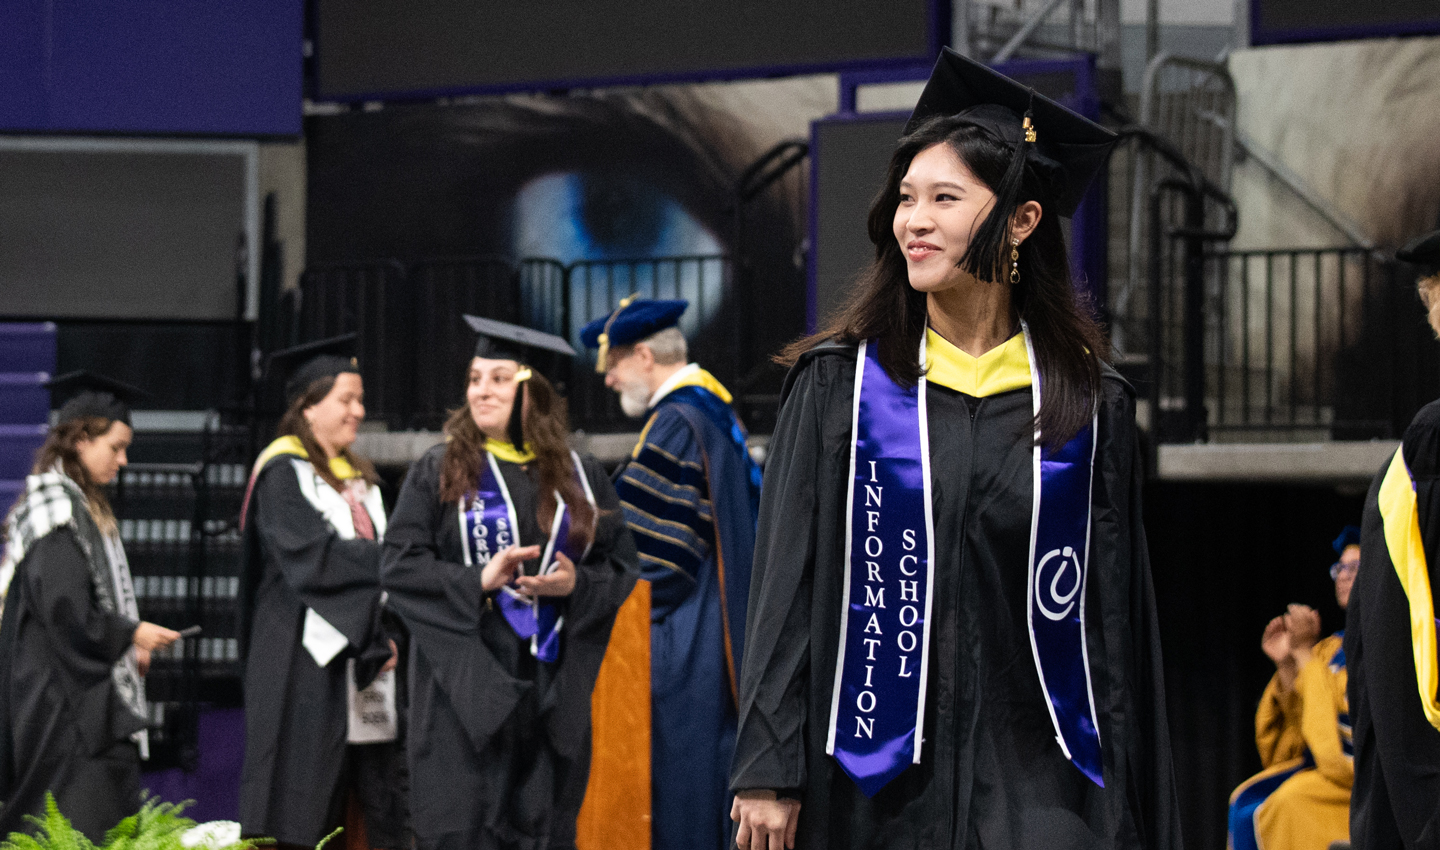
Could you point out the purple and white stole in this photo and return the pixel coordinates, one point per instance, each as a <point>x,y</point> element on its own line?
<point>488,524</point>
<point>877,711</point>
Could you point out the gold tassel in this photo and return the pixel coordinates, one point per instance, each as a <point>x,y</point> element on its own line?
<point>604,352</point>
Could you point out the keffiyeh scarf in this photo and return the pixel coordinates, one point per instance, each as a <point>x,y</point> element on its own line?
<point>51,501</point>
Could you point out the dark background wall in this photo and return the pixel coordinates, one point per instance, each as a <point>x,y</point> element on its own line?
<point>1226,558</point>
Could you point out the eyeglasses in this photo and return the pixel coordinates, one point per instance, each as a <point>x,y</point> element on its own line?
<point>1340,568</point>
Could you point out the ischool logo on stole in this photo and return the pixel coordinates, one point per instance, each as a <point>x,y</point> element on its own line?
<point>1056,604</point>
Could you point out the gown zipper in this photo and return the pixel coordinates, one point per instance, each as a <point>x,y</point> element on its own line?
<point>973,405</point>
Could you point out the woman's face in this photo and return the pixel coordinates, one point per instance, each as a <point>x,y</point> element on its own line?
<point>103,456</point>
<point>335,419</point>
<point>941,205</point>
<point>490,395</point>
<point>1345,580</point>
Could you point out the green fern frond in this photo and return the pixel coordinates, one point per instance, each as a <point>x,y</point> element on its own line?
<point>326,839</point>
<point>157,826</point>
<point>53,832</point>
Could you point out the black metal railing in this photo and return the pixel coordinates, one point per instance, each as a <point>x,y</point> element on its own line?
<point>1295,344</point>
<point>414,346</point>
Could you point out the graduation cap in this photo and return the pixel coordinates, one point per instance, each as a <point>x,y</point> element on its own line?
<point>530,348</point>
<point>1422,251</point>
<point>1065,149</point>
<point>83,394</point>
<point>302,365</point>
<point>1349,536</point>
<point>504,341</point>
<point>634,320</point>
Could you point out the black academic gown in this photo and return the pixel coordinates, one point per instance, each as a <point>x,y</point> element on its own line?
<point>499,742</point>
<point>991,773</point>
<point>298,764</point>
<point>67,731</point>
<point>1395,801</point>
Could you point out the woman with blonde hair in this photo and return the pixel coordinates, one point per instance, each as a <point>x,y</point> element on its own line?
<point>73,650</point>
<point>322,738</point>
<point>507,558</point>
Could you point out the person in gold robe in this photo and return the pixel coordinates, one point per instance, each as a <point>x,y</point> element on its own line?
<point>1302,729</point>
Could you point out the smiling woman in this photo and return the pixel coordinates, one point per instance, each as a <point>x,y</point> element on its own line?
<point>317,642</point>
<point>951,639</point>
<point>507,559</point>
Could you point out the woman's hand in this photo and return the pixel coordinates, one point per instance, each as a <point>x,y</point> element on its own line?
<point>502,567</point>
<point>394,658</point>
<point>142,660</point>
<point>558,582</point>
<point>766,823</point>
<point>151,637</point>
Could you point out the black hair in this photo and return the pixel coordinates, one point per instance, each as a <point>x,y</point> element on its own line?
<point>1068,341</point>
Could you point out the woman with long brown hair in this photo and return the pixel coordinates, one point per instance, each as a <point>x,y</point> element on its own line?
<point>951,638</point>
<point>507,558</point>
<point>73,651</point>
<point>322,737</point>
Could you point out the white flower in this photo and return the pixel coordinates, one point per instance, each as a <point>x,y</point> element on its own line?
<point>212,835</point>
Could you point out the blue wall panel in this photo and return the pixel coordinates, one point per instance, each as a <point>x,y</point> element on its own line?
<point>216,67</point>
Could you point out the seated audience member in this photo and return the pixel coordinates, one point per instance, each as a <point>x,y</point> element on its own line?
<point>1302,729</point>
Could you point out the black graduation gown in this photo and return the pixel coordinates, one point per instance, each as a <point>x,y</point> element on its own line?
<point>298,763</point>
<point>499,742</point>
<point>991,773</point>
<point>68,731</point>
<point>1395,801</point>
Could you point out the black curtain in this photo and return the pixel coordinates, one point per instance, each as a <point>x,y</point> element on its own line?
<point>1226,558</point>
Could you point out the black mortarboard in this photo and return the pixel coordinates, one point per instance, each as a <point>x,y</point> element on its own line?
<point>83,394</point>
<point>1422,251</point>
<point>1066,147</point>
<point>526,346</point>
<point>302,365</point>
<point>504,341</point>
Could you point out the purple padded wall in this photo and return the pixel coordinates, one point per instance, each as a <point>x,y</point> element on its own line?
<point>23,398</point>
<point>151,66</point>
<point>18,444</point>
<point>27,347</point>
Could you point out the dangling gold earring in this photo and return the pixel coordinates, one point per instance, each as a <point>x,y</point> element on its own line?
<point>1015,262</point>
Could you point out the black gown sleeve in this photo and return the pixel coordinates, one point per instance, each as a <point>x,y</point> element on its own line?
<point>443,605</point>
<point>603,580</point>
<point>86,638</point>
<point>337,578</point>
<point>1134,666</point>
<point>770,750</point>
<point>1397,756</point>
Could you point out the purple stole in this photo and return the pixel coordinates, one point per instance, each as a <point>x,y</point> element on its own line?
<point>877,710</point>
<point>488,525</point>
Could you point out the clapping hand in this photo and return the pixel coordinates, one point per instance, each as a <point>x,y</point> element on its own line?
<point>1303,624</point>
<point>503,566</point>
<point>1276,641</point>
<point>560,581</point>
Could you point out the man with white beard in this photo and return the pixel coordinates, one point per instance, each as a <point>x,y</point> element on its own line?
<point>690,493</point>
